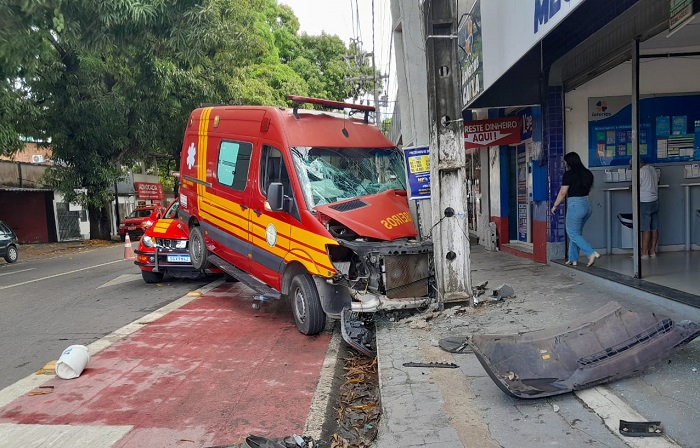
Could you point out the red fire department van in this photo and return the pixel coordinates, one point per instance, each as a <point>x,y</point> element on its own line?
<point>304,204</point>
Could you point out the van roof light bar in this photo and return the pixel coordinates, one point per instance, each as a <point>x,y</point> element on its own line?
<point>297,100</point>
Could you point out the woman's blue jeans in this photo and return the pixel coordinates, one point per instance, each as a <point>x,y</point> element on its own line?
<point>578,210</point>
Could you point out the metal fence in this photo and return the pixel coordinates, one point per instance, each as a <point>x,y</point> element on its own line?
<point>68,222</point>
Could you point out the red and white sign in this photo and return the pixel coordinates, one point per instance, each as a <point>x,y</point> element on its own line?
<point>498,131</point>
<point>148,190</point>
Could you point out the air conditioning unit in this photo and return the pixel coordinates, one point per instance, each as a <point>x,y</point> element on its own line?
<point>37,158</point>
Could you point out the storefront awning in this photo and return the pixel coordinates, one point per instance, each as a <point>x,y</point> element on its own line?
<point>524,83</point>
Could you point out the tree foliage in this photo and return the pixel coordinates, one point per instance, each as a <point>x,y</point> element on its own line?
<point>112,83</point>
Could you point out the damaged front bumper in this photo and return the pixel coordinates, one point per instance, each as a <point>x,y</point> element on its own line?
<point>608,344</point>
<point>384,275</point>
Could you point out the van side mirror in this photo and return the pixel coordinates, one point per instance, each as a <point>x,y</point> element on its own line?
<point>275,196</point>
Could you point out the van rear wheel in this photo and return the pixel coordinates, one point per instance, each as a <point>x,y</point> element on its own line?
<point>306,305</point>
<point>198,249</point>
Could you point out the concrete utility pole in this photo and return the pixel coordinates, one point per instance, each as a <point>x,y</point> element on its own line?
<point>447,154</point>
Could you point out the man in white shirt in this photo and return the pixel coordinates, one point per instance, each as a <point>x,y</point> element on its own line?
<point>648,209</point>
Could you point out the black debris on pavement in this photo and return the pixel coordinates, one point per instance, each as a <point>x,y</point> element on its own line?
<point>358,331</point>
<point>504,291</point>
<point>455,344</point>
<point>640,429</point>
<point>443,365</point>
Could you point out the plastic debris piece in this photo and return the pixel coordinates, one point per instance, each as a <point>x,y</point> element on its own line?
<point>46,390</point>
<point>640,429</point>
<point>253,441</point>
<point>444,365</point>
<point>356,333</point>
<point>455,344</point>
<point>547,365</point>
<point>503,292</point>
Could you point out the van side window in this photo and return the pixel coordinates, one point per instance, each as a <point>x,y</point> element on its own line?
<point>232,166</point>
<point>273,169</point>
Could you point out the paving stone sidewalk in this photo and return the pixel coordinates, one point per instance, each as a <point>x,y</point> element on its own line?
<point>451,408</point>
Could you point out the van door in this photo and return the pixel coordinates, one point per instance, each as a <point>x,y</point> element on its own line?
<point>270,230</point>
<point>224,205</point>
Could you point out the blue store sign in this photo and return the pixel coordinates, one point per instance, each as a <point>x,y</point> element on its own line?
<point>667,131</point>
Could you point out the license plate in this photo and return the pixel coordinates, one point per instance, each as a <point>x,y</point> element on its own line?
<point>179,258</point>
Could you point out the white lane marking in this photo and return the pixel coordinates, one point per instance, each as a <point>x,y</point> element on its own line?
<point>612,409</point>
<point>58,275</point>
<point>125,278</point>
<point>14,272</point>
<point>61,436</point>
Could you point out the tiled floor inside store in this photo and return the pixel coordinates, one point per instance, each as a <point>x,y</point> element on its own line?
<point>675,275</point>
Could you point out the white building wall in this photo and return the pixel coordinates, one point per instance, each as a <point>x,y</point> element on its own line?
<point>412,81</point>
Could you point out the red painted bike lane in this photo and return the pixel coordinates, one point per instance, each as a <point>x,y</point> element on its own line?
<point>208,373</point>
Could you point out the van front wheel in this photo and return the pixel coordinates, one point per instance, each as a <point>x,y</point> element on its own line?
<point>306,305</point>
<point>198,249</point>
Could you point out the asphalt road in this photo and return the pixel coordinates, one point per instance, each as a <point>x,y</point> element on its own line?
<point>50,303</point>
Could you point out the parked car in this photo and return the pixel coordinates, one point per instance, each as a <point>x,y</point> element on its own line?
<point>138,220</point>
<point>9,247</point>
<point>164,248</point>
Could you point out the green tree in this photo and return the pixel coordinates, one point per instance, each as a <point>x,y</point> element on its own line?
<point>112,83</point>
<point>111,77</point>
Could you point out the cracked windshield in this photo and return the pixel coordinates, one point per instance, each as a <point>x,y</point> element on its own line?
<point>336,174</point>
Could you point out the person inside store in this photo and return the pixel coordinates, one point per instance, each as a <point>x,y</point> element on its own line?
<point>648,209</point>
<point>575,186</point>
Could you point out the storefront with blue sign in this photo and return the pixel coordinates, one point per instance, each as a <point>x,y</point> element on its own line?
<point>586,70</point>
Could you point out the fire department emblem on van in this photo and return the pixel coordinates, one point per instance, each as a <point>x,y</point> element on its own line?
<point>191,152</point>
<point>271,235</point>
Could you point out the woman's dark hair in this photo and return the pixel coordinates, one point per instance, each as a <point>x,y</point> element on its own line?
<point>573,160</point>
<point>582,175</point>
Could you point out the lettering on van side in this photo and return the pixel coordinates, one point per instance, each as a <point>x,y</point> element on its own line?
<point>396,220</point>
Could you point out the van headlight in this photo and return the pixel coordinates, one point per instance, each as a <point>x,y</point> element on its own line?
<point>181,244</point>
<point>147,241</point>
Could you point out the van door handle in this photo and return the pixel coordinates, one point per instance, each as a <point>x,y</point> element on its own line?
<point>243,207</point>
<point>257,212</point>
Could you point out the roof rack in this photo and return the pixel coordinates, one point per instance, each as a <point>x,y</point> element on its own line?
<point>297,100</point>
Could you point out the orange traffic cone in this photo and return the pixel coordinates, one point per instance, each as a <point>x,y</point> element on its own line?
<point>128,250</point>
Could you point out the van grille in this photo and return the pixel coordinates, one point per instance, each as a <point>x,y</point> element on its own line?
<point>170,244</point>
<point>350,205</point>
